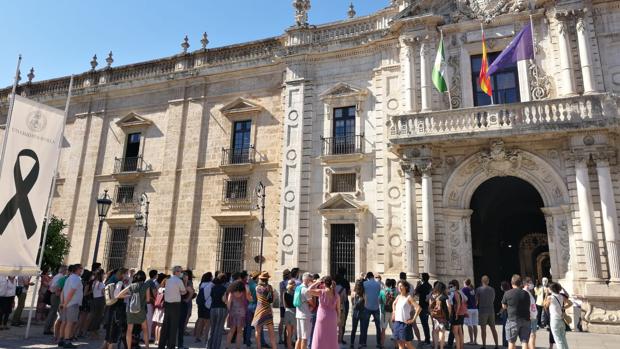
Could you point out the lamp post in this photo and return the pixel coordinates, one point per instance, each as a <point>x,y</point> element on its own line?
<point>260,193</point>
<point>142,220</point>
<point>103,205</point>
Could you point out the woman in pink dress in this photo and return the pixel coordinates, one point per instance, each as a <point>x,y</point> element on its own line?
<point>325,334</point>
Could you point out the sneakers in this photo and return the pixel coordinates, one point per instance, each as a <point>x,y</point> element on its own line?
<point>69,345</point>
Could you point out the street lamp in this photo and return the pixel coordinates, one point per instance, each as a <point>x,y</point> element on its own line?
<point>142,220</point>
<point>260,193</point>
<point>103,205</point>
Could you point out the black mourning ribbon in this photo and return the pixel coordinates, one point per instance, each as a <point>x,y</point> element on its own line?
<point>20,201</point>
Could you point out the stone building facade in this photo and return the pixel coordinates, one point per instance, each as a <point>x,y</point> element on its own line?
<point>366,165</point>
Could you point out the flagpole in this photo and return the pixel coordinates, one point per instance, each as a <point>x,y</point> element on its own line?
<point>8,117</point>
<point>533,38</point>
<point>47,210</point>
<point>484,45</point>
<point>447,78</point>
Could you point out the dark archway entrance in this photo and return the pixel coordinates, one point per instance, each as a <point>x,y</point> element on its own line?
<point>509,233</point>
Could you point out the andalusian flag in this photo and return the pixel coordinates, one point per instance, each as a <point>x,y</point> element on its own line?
<point>439,69</point>
<point>484,79</point>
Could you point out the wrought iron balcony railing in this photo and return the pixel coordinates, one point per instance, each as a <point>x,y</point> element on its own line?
<point>342,145</point>
<point>130,164</point>
<point>238,156</point>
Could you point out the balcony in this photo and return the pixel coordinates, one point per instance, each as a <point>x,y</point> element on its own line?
<point>342,148</point>
<point>237,160</point>
<point>129,168</point>
<point>536,117</point>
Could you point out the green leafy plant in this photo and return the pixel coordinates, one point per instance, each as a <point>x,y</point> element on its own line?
<point>57,244</point>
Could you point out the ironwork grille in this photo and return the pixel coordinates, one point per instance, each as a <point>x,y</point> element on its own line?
<point>230,249</point>
<point>343,182</point>
<point>117,248</point>
<point>342,249</point>
<point>124,194</point>
<point>235,189</point>
<point>128,164</point>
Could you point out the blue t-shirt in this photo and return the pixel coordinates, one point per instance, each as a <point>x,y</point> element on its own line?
<point>372,289</point>
<point>471,297</point>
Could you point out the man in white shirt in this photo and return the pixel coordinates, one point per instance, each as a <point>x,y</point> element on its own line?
<point>175,288</point>
<point>70,301</point>
<point>55,300</point>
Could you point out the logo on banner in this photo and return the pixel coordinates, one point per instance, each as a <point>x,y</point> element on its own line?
<point>19,201</point>
<point>36,121</point>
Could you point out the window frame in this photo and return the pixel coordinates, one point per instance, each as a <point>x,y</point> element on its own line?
<point>494,81</point>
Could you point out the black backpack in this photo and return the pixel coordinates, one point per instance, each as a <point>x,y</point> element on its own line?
<point>200,299</point>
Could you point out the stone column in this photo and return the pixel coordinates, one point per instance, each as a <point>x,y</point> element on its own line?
<point>585,55</point>
<point>428,216</point>
<point>425,80</point>
<point>566,73</point>
<point>409,223</point>
<point>407,64</point>
<point>586,218</point>
<point>610,218</point>
<point>325,270</point>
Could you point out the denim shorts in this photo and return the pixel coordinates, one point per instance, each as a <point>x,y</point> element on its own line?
<point>520,329</point>
<point>402,332</point>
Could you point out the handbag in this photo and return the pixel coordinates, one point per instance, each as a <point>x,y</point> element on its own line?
<point>567,318</point>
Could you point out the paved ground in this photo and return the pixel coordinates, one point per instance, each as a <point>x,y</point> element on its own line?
<point>14,338</point>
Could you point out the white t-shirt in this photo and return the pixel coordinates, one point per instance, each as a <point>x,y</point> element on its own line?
<point>98,289</point>
<point>73,282</point>
<point>555,307</point>
<point>54,282</point>
<point>207,287</point>
<point>402,309</point>
<point>533,309</point>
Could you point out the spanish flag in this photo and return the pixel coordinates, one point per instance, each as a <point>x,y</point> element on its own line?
<point>484,80</point>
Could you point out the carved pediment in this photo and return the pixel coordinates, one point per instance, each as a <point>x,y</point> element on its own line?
<point>487,9</point>
<point>499,161</point>
<point>239,106</point>
<point>134,120</point>
<point>341,202</point>
<point>418,7</point>
<point>342,90</point>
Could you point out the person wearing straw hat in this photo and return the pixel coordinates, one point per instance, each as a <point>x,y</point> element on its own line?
<point>263,317</point>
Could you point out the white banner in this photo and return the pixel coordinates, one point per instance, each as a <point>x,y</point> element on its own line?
<point>30,160</point>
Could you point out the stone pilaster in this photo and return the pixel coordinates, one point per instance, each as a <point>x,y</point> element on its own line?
<point>585,54</point>
<point>609,216</point>
<point>425,79</point>
<point>586,218</point>
<point>409,223</point>
<point>407,58</point>
<point>424,166</point>
<point>565,76</point>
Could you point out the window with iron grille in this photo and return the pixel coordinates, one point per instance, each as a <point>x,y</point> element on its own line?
<point>230,250</point>
<point>124,194</point>
<point>343,182</point>
<point>117,248</point>
<point>235,189</point>
<point>342,249</point>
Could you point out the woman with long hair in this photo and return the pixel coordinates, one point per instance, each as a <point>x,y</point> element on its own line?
<point>263,317</point>
<point>218,311</point>
<point>46,279</point>
<point>203,301</point>
<point>326,329</point>
<point>358,304</point>
<point>97,304</point>
<point>237,302</point>
<point>136,310</point>
<point>81,327</point>
<point>289,313</point>
<point>401,315</point>
<point>459,310</point>
<point>556,303</point>
<point>440,311</point>
<point>158,307</point>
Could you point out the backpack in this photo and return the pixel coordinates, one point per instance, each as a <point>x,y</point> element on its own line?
<point>462,310</point>
<point>200,299</point>
<point>134,305</point>
<point>159,301</point>
<point>389,301</point>
<point>435,308</point>
<point>108,293</point>
<point>297,298</point>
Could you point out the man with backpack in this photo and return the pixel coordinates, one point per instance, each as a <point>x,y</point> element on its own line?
<point>388,295</point>
<point>303,313</point>
<point>70,301</point>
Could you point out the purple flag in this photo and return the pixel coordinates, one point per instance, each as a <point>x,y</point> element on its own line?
<point>520,48</point>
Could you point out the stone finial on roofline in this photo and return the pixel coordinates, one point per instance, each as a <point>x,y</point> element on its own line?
<point>204,41</point>
<point>109,60</point>
<point>351,11</point>
<point>93,63</point>
<point>31,75</point>
<point>185,44</point>
<point>301,12</point>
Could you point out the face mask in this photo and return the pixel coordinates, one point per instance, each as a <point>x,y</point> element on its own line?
<point>530,287</point>
<point>452,288</point>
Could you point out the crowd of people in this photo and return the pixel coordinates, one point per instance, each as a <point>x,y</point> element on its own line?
<point>235,309</point>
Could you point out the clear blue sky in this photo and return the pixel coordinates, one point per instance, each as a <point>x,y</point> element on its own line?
<point>59,37</point>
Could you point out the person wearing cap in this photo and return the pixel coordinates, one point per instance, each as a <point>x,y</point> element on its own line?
<point>263,317</point>
<point>286,276</point>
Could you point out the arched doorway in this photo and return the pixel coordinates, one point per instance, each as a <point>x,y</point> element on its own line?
<point>508,230</point>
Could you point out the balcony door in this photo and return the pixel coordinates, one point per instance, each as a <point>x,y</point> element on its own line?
<point>344,130</point>
<point>132,152</point>
<point>241,141</point>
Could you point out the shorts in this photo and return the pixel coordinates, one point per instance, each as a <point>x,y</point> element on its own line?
<point>385,319</point>
<point>304,326</point>
<point>472,318</point>
<point>70,313</point>
<point>519,328</point>
<point>289,317</point>
<point>534,325</point>
<point>458,320</point>
<point>485,319</point>
<point>440,325</point>
<point>402,332</point>
<point>204,312</point>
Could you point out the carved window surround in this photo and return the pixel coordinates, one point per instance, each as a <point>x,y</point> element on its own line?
<point>329,171</point>
<point>343,95</point>
<point>241,109</point>
<point>133,122</point>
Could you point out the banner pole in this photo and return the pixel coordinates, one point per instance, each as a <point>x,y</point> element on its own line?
<point>8,117</point>
<point>446,63</point>
<point>47,212</point>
